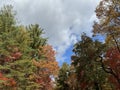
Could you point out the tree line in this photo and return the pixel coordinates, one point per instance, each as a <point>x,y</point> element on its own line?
<point>27,61</point>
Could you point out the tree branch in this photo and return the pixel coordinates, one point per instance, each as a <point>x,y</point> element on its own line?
<point>109,70</point>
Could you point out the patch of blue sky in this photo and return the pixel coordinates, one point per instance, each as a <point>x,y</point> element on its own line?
<point>100,38</point>
<point>67,56</point>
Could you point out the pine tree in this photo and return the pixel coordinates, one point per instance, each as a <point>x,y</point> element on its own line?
<point>62,77</point>
<point>19,46</point>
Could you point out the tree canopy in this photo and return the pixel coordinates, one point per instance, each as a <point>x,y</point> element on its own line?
<point>95,65</point>
<point>28,62</point>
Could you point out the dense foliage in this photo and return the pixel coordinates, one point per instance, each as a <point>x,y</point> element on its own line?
<point>27,62</point>
<point>96,65</point>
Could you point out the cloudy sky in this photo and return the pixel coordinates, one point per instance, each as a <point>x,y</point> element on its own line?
<point>63,21</point>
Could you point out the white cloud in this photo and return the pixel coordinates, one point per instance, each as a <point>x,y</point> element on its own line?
<point>62,20</point>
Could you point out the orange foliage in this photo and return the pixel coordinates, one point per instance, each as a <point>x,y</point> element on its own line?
<point>50,67</point>
<point>7,81</point>
<point>47,65</point>
<point>48,52</point>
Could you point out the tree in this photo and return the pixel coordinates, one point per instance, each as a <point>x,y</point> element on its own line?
<point>7,19</point>
<point>89,72</point>
<point>108,15</point>
<point>24,55</point>
<point>113,62</point>
<point>36,40</point>
<point>15,60</point>
<point>62,78</point>
<point>72,79</point>
<point>35,35</point>
<point>109,25</point>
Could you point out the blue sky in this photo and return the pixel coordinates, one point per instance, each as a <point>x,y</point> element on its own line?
<point>63,21</point>
<point>67,55</point>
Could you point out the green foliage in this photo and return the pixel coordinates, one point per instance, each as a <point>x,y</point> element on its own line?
<point>36,39</point>
<point>35,35</point>
<point>62,77</point>
<point>18,47</point>
<point>7,19</point>
<point>89,72</point>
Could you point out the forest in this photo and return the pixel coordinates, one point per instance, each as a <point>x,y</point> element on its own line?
<point>28,62</point>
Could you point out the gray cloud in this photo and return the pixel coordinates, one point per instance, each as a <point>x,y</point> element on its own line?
<point>62,20</point>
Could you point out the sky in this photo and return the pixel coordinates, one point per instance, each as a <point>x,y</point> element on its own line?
<point>63,21</point>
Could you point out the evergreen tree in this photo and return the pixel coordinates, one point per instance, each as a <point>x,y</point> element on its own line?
<point>62,77</point>
<point>19,47</point>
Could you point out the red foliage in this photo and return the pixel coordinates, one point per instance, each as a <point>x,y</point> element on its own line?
<point>8,81</point>
<point>83,85</point>
<point>13,56</point>
<point>16,55</point>
<point>114,82</point>
<point>44,81</point>
<point>113,62</point>
<point>47,66</point>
